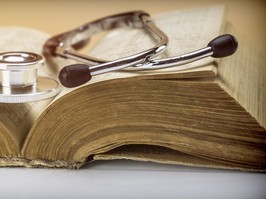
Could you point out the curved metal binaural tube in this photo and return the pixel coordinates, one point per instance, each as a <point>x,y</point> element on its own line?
<point>66,44</point>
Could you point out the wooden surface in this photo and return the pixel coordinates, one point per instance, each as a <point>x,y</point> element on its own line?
<point>56,16</point>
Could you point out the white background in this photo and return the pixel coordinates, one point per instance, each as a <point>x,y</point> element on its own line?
<point>129,179</point>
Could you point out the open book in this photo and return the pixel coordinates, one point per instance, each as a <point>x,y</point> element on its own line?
<point>211,116</point>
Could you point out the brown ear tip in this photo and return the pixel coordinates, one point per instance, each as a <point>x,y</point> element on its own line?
<point>223,46</point>
<point>74,75</point>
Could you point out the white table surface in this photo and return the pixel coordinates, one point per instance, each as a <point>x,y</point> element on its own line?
<point>129,179</point>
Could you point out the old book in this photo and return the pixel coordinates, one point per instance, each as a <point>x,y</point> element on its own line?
<point>210,116</point>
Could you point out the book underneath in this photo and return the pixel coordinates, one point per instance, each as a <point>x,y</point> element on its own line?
<point>210,116</point>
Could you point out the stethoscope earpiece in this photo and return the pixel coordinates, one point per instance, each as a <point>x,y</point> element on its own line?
<point>78,74</point>
<point>19,80</point>
<point>65,45</point>
<point>74,75</point>
<point>223,46</point>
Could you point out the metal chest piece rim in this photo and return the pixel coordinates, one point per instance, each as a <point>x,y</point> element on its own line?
<point>19,82</point>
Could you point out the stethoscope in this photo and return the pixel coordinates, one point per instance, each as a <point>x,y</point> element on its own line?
<point>18,70</point>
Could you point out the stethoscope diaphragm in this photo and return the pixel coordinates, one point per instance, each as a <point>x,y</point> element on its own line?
<point>19,81</point>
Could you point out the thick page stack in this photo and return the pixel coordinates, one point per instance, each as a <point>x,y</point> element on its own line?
<point>211,116</point>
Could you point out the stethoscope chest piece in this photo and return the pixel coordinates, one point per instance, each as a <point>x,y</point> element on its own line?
<point>19,82</point>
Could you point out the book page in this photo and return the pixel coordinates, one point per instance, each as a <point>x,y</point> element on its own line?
<point>243,76</point>
<point>18,118</point>
<point>188,30</point>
